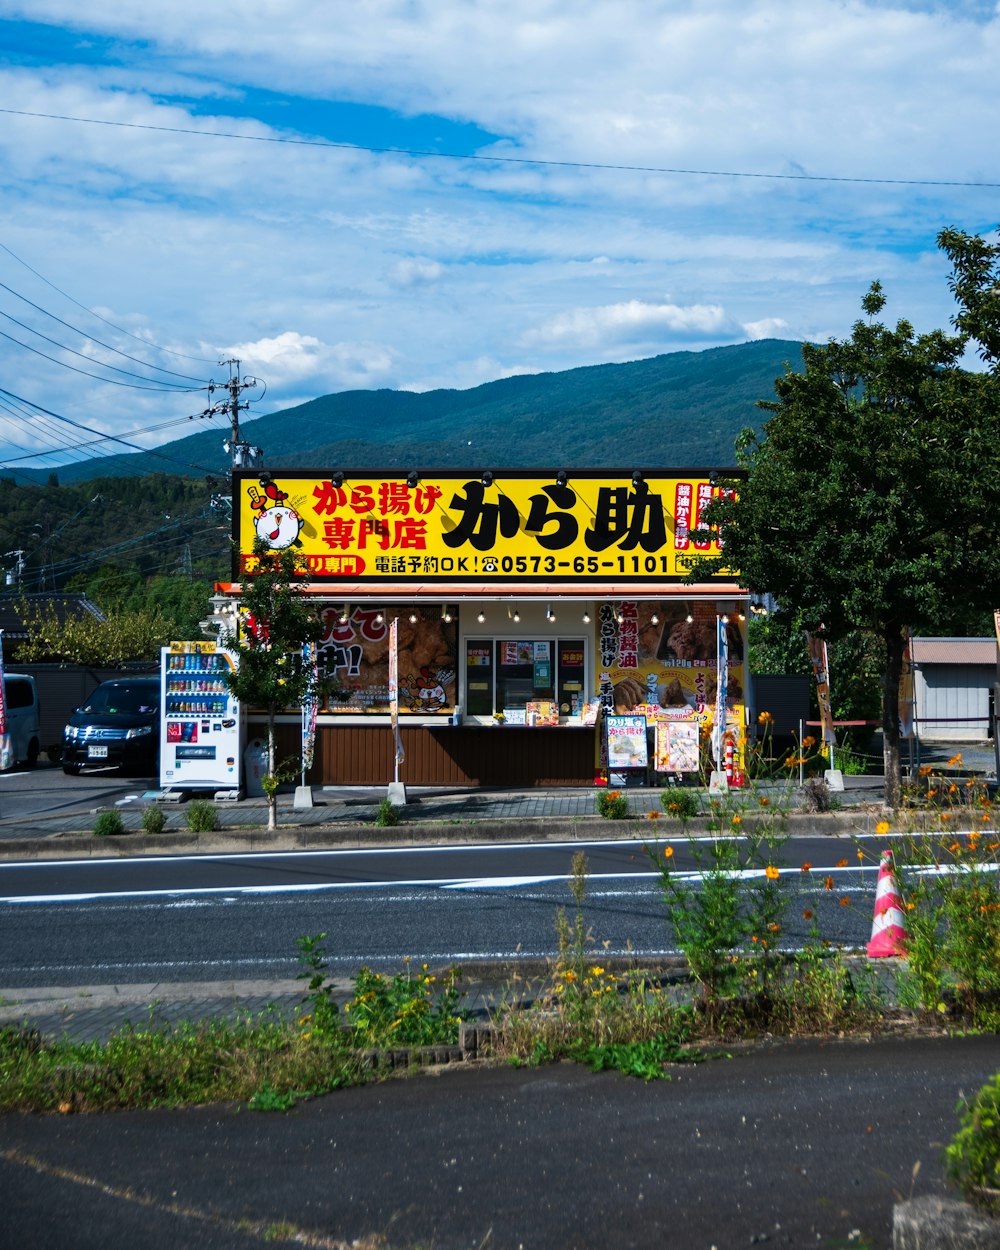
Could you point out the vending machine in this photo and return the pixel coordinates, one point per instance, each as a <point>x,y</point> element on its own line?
<point>200,722</point>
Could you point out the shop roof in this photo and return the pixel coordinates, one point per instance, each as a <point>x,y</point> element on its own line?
<point>954,650</point>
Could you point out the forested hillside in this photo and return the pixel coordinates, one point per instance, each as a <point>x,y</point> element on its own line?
<point>681,409</point>
<point>114,535</point>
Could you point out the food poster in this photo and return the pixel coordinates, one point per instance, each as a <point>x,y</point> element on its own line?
<point>626,742</point>
<point>354,659</point>
<point>654,662</point>
<point>677,747</point>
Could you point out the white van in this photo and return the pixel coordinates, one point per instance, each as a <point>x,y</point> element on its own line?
<point>21,702</point>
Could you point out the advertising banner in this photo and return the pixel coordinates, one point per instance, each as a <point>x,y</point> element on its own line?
<point>394,688</point>
<point>6,746</point>
<point>626,742</point>
<point>309,708</point>
<point>511,525</point>
<point>355,655</point>
<point>821,672</point>
<point>676,748</point>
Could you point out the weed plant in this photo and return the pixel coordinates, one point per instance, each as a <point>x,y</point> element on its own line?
<point>613,805</point>
<point>153,820</point>
<point>387,814</point>
<point>202,816</point>
<point>109,824</point>
<point>973,1155</point>
<point>950,883</point>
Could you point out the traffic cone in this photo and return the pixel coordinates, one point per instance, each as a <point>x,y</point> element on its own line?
<point>889,934</point>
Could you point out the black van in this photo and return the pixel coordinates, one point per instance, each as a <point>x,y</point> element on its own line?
<point>119,725</point>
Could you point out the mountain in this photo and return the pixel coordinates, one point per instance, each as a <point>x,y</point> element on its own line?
<point>683,409</point>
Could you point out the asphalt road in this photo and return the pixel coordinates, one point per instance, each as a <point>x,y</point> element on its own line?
<point>803,1144</point>
<point>231,917</point>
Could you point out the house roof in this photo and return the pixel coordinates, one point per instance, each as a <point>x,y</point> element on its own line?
<point>65,605</point>
<point>954,650</point>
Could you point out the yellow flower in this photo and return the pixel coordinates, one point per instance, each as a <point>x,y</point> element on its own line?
<point>597,971</point>
<point>882,827</point>
<point>771,873</point>
<point>668,853</point>
<point>765,718</point>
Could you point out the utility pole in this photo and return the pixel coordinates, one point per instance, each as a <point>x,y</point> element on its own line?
<point>243,455</point>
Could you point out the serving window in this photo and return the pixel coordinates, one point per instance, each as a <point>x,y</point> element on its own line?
<point>508,674</point>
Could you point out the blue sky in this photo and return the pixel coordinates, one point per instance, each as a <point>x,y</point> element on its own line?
<point>617,180</point>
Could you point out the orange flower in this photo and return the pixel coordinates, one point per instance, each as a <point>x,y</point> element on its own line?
<point>764,801</point>
<point>805,867</point>
<point>765,718</point>
<point>807,914</point>
<point>736,820</point>
<point>774,928</point>
<point>955,761</point>
<point>925,770</point>
<point>828,883</point>
<point>771,873</point>
<point>844,902</point>
<point>808,741</point>
<point>931,793</point>
<point>841,863</point>
<point>653,815</point>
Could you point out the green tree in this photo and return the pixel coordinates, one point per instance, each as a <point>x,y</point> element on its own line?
<point>871,494</point>
<point>86,639</point>
<point>271,673</point>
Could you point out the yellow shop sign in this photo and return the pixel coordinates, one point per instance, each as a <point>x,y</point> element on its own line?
<point>498,526</point>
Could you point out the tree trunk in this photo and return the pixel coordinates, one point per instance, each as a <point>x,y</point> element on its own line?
<point>272,788</point>
<point>894,646</point>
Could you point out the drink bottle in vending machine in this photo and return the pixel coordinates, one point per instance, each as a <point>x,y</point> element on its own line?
<point>201,730</point>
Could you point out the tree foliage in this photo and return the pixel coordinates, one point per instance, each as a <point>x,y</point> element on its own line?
<point>275,623</point>
<point>85,639</point>
<point>871,497</point>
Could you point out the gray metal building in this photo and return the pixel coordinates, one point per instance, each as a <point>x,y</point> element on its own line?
<point>953,687</point>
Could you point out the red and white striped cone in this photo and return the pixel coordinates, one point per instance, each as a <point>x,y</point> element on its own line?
<point>889,935</point>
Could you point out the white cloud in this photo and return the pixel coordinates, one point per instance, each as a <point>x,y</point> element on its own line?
<point>417,272</point>
<point>290,358</point>
<point>633,321</point>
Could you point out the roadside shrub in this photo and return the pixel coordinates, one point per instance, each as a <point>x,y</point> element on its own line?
<point>680,802</point>
<point>202,817</point>
<point>153,820</point>
<point>109,824</point>
<point>612,805</point>
<point>386,815</point>
<point>973,1156</point>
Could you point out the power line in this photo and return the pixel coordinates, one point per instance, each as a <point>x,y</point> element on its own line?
<point>504,160</point>
<point>160,388</point>
<point>111,438</point>
<point>146,343</point>
<point>76,330</point>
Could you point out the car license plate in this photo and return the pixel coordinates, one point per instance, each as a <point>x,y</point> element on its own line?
<point>97,753</point>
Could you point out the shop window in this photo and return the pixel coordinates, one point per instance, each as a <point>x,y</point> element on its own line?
<point>509,674</point>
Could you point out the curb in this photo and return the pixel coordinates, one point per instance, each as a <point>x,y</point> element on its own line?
<point>359,835</point>
<point>931,1223</point>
